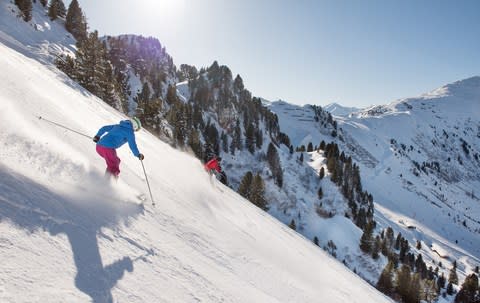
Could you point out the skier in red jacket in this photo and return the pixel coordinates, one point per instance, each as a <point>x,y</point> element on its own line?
<point>213,165</point>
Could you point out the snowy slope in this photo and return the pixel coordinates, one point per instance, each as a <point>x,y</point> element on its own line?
<point>298,122</point>
<point>430,128</point>
<point>67,235</point>
<point>40,38</point>
<point>397,147</point>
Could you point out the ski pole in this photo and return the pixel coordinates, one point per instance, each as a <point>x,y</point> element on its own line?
<point>59,125</point>
<point>148,184</point>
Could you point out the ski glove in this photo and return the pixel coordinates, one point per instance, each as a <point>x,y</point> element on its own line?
<point>96,138</point>
<point>141,157</point>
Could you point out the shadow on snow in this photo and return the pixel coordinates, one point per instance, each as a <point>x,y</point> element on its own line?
<point>32,206</point>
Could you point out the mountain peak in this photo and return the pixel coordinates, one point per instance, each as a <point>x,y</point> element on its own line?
<point>469,86</point>
<point>340,110</point>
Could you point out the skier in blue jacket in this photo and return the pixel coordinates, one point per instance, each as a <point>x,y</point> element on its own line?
<point>111,137</point>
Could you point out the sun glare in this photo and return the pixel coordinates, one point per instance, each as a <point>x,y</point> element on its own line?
<point>172,6</point>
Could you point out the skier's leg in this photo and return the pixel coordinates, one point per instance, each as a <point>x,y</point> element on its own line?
<point>102,152</point>
<point>113,162</point>
<point>111,158</point>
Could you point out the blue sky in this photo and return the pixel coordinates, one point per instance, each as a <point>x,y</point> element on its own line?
<point>356,53</point>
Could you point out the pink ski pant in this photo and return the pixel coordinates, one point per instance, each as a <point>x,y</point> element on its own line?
<point>110,156</point>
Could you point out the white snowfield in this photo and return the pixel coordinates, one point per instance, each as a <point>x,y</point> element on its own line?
<point>441,210</point>
<point>68,235</point>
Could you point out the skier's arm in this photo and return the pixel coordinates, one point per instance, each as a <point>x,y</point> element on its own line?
<point>103,130</point>
<point>133,145</point>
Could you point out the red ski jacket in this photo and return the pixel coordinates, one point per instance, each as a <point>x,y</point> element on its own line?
<point>213,164</point>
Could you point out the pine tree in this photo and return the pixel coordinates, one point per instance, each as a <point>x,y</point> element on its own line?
<point>419,245</point>
<point>238,84</point>
<point>179,124</point>
<point>429,290</point>
<point>470,291</point>
<point>67,65</point>
<point>148,113</point>
<point>450,290</point>
<point>56,9</point>
<point>452,277</point>
<point>224,139</point>
<point>320,193</point>
<point>171,95</point>
<point>421,267</point>
<point>331,248</point>
<point>258,138</point>
<point>25,7</point>
<point>441,281</point>
<point>237,137</point>
<point>257,193</point>
<point>75,21</point>
<point>88,61</point>
<point>244,189</point>
<point>402,282</point>
<point>107,84</point>
<point>389,235</point>
<point>322,173</point>
<point>398,241</point>
<point>322,145</point>
<point>414,289</point>
<point>93,71</point>
<point>223,178</point>
<point>195,144</point>
<point>315,240</point>
<point>208,152</point>
<point>250,138</point>
<point>310,147</point>
<point>187,72</point>
<point>366,239</point>
<point>331,165</point>
<point>292,225</point>
<point>404,249</point>
<point>385,282</point>
<point>361,217</point>
<point>376,248</point>
<point>211,137</point>
<point>275,165</point>
<point>145,94</point>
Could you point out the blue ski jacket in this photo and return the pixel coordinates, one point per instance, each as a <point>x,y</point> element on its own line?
<point>117,135</point>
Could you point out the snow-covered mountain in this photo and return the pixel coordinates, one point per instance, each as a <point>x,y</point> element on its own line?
<point>291,189</point>
<point>399,148</point>
<point>69,235</point>
<point>419,158</point>
<point>339,110</point>
<point>299,123</point>
<point>426,151</point>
